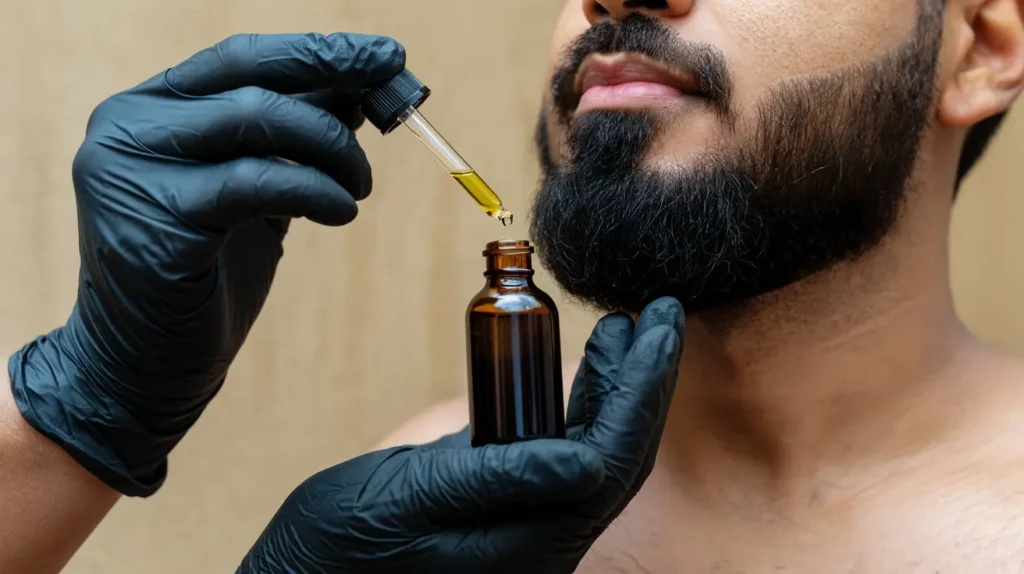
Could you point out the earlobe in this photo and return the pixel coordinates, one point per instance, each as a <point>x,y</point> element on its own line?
<point>973,95</point>
<point>990,73</point>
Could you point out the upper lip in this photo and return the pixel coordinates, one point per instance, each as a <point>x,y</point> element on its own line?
<point>614,69</point>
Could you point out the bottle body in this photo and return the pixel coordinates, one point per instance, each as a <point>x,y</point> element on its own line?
<point>514,357</point>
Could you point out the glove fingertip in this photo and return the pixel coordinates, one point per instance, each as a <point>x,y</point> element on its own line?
<point>377,58</point>
<point>391,53</point>
<point>661,338</point>
<point>654,354</point>
<point>663,311</point>
<point>330,204</point>
<point>365,181</point>
<point>346,213</point>
<point>615,326</point>
<point>613,331</point>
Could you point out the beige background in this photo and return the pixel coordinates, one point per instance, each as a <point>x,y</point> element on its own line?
<point>364,327</point>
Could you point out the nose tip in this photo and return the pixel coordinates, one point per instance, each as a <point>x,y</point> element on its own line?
<point>597,10</point>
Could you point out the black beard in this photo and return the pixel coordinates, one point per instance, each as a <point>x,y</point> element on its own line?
<point>821,182</point>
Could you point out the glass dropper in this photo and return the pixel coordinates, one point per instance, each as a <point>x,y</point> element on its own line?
<point>396,102</point>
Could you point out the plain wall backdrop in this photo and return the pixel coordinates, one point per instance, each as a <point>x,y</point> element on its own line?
<point>364,327</point>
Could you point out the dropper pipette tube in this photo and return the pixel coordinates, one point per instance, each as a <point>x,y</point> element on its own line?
<point>457,167</point>
<point>397,102</point>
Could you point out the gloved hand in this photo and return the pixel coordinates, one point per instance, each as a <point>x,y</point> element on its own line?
<point>533,507</point>
<point>183,202</point>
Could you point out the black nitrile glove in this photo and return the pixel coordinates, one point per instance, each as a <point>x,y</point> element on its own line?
<point>183,203</point>
<point>533,507</point>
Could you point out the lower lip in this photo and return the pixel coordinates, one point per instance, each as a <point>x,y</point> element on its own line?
<point>629,95</point>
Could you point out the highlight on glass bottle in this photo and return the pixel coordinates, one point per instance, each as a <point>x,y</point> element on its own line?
<point>513,352</point>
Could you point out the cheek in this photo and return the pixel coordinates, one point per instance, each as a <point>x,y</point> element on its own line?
<point>768,42</point>
<point>557,137</point>
<point>571,24</point>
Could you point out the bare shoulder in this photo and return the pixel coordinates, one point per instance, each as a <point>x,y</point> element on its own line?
<point>443,418</point>
<point>447,417</point>
<point>983,461</point>
<point>992,390</point>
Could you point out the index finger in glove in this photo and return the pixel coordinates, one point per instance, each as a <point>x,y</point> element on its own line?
<point>649,321</point>
<point>437,488</point>
<point>255,122</point>
<point>289,63</point>
<point>599,370</point>
<point>635,410</point>
<point>668,314</point>
<point>576,412</point>
<point>345,107</point>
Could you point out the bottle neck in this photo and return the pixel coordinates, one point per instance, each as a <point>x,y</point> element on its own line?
<point>509,264</point>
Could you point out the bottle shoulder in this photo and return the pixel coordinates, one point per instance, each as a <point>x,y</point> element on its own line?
<point>502,301</point>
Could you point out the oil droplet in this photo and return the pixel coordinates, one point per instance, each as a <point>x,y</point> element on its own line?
<point>505,217</point>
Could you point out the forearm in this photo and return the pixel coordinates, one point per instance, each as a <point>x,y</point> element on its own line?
<point>49,504</point>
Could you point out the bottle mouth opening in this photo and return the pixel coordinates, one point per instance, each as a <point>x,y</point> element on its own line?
<point>508,247</point>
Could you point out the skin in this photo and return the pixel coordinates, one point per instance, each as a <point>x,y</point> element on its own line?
<point>48,503</point>
<point>849,422</point>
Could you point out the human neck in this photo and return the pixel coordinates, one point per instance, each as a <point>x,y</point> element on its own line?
<point>841,367</point>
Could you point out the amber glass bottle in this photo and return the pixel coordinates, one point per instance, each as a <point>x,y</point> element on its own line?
<point>515,366</point>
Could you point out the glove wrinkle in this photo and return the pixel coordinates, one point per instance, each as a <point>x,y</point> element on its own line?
<point>532,507</point>
<point>177,182</point>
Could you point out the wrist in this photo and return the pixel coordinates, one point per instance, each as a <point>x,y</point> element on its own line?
<point>51,503</point>
<point>56,392</point>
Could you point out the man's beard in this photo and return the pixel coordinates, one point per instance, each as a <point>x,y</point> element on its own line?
<point>821,181</point>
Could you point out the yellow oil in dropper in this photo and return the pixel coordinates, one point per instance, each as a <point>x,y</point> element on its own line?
<point>467,177</point>
<point>397,101</point>
<point>483,195</point>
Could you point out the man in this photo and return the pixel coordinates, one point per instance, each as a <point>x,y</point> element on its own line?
<point>787,170</point>
<point>183,206</point>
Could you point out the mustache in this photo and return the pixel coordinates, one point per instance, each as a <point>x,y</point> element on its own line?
<point>644,35</point>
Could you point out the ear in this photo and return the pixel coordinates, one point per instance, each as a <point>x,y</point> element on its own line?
<point>990,61</point>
